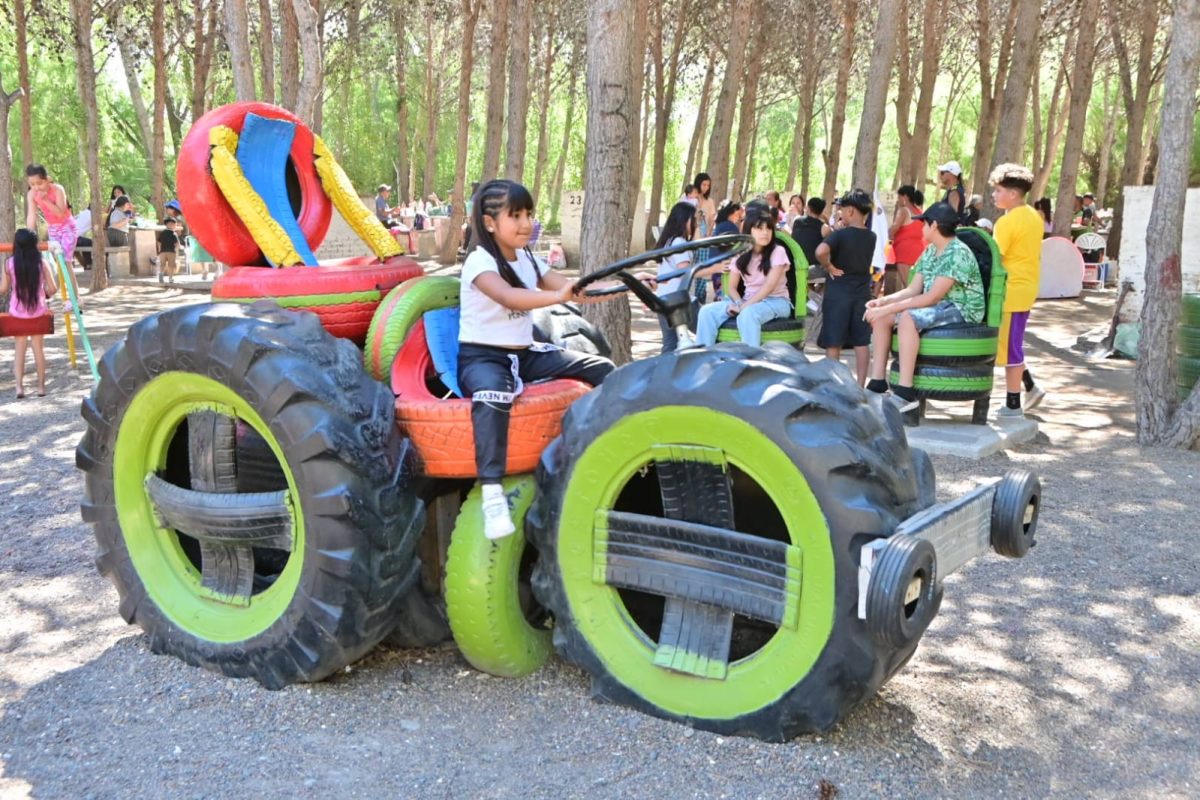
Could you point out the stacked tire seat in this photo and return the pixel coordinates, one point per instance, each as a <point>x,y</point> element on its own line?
<point>957,362</point>
<point>1188,344</point>
<point>789,330</point>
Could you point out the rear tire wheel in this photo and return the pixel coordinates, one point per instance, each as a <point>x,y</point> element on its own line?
<point>1015,513</point>
<point>324,597</point>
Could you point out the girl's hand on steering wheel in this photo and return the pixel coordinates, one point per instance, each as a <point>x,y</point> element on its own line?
<point>648,278</point>
<point>567,293</point>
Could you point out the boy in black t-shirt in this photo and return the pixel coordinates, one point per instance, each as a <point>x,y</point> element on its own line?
<point>168,244</point>
<point>846,256</point>
<point>806,230</point>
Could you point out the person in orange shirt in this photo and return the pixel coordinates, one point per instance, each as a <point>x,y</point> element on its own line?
<point>1018,234</point>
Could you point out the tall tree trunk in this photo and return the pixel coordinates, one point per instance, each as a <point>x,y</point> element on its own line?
<point>433,93</point>
<point>637,85</point>
<point>904,93</point>
<point>718,142</point>
<point>1010,139</point>
<point>309,90</point>
<point>543,144</point>
<point>666,79</point>
<point>833,147</point>
<point>8,213</point>
<point>403,187</point>
<point>883,53</point>
<point>612,117</point>
<point>1081,95</point>
<point>318,114</point>
<point>289,55</point>
<point>494,135</point>
<point>266,50</point>
<point>466,65</point>
<point>1137,100</point>
<point>204,27</point>
<point>20,18</point>
<point>518,91</point>
<point>747,124</point>
<point>931,52</point>
<point>85,83</point>
<point>1159,420</point>
<point>158,139</point>
<point>560,168</point>
<point>695,156</point>
<point>1055,125</point>
<point>237,39</point>
<point>129,60</point>
<point>1104,165</point>
<point>990,89</point>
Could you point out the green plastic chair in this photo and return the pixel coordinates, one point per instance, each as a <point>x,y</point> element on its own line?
<point>790,330</point>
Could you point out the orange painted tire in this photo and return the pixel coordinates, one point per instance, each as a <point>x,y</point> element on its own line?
<point>344,297</point>
<point>441,430</point>
<point>210,217</point>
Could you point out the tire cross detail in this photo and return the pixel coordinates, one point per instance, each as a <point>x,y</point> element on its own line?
<point>228,524</point>
<point>707,571</point>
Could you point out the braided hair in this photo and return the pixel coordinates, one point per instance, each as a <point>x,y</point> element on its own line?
<point>764,217</point>
<point>490,200</point>
<point>27,268</point>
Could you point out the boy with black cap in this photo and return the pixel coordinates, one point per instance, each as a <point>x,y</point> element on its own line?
<point>944,288</point>
<point>846,256</point>
<point>1018,235</point>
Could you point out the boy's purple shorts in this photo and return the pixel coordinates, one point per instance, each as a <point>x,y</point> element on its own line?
<point>1010,351</point>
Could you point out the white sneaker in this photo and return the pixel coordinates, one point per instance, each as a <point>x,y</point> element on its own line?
<point>1034,397</point>
<point>497,522</point>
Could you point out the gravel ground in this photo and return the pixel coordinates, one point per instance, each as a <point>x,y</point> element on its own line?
<point>1071,673</point>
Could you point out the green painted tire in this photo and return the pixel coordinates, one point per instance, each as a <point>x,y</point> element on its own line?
<point>483,591</point>
<point>397,313</point>
<point>950,346</point>
<point>297,611</point>
<point>936,382</point>
<point>816,468</point>
<point>1188,342</point>
<point>1190,311</point>
<point>788,331</point>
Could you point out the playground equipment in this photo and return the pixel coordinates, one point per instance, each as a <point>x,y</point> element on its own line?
<point>10,326</point>
<point>790,330</point>
<point>733,537</point>
<point>957,362</point>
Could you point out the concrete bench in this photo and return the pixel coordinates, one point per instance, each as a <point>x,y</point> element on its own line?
<point>109,252</point>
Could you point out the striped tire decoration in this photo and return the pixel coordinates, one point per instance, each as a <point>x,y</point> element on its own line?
<point>951,345</point>
<point>1190,313</point>
<point>789,330</point>
<point>937,382</point>
<point>400,310</point>
<point>343,297</point>
<point>1188,341</point>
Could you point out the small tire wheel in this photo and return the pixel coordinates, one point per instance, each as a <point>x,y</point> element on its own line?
<point>1015,513</point>
<point>903,597</point>
<point>488,612</point>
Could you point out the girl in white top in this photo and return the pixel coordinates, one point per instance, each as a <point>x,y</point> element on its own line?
<point>501,283</point>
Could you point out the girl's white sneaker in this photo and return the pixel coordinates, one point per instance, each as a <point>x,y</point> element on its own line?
<point>497,522</point>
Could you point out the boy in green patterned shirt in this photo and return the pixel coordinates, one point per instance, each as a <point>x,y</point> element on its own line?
<point>945,288</point>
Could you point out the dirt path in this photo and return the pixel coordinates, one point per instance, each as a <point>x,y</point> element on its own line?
<point>1071,673</point>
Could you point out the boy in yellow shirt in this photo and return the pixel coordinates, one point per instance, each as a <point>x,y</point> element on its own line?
<point>1019,236</point>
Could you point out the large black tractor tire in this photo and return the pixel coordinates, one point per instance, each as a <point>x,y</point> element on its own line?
<point>565,326</point>
<point>316,581</point>
<point>759,457</point>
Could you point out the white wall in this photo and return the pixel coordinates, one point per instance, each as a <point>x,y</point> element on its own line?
<point>1138,200</point>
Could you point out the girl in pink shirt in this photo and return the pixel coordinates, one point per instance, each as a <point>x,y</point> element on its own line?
<point>30,282</point>
<point>766,292</point>
<point>51,199</point>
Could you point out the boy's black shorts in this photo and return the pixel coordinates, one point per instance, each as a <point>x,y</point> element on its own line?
<point>842,312</point>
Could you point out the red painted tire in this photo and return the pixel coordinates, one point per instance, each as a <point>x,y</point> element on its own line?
<point>344,297</point>
<point>211,219</point>
<point>441,430</point>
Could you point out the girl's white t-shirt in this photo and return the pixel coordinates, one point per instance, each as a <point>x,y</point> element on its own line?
<point>484,321</point>
<point>672,263</point>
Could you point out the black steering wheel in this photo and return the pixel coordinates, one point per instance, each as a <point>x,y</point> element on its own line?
<point>736,244</point>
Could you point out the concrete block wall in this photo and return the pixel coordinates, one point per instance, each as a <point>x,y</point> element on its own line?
<point>1138,201</point>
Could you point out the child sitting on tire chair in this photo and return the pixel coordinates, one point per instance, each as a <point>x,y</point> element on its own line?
<point>945,288</point>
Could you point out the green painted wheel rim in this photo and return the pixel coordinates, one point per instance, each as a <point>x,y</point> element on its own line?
<point>790,337</point>
<point>171,581</point>
<point>952,347</point>
<point>598,612</point>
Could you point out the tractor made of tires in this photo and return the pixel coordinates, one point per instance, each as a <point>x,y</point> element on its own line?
<point>732,537</point>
